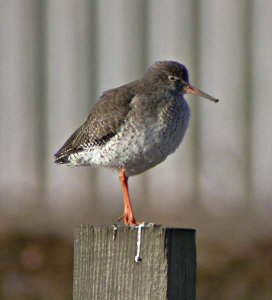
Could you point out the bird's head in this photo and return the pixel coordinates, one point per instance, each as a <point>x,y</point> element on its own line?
<point>174,76</point>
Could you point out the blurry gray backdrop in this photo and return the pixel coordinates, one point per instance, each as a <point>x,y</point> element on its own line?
<point>56,58</point>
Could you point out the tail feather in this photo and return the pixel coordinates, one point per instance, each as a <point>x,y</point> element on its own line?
<point>61,159</point>
<point>70,146</point>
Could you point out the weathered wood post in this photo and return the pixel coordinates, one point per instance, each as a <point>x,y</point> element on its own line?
<point>105,266</point>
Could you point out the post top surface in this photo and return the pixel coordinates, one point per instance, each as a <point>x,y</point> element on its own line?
<point>145,226</point>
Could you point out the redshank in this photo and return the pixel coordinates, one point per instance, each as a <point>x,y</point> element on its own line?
<point>134,127</point>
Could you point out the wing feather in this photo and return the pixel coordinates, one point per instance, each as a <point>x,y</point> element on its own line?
<point>102,124</point>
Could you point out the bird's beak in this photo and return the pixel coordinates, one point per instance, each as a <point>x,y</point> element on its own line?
<point>192,90</point>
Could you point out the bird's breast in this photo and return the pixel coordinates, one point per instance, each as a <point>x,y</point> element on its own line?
<point>154,135</point>
<point>173,121</point>
<point>148,135</point>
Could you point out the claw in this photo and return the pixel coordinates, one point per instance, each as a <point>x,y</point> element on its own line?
<point>130,221</point>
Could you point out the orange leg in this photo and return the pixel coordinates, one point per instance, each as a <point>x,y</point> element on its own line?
<point>128,213</point>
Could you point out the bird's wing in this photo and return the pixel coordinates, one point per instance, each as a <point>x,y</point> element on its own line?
<point>103,122</point>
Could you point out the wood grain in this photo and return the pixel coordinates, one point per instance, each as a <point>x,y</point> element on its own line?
<point>106,269</point>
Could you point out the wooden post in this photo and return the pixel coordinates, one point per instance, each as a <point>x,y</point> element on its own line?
<point>105,266</point>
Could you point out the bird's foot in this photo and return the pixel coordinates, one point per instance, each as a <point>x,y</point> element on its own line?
<point>129,220</point>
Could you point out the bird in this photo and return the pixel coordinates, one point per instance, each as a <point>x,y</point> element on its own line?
<point>134,127</point>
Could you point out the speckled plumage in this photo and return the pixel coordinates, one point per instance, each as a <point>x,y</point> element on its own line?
<point>135,126</point>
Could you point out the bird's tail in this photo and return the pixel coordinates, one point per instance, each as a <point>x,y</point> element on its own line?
<point>61,158</point>
<point>71,146</point>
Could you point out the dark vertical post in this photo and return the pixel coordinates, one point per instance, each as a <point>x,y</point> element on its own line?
<point>105,266</point>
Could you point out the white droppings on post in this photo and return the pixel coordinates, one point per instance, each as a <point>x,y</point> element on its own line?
<point>139,236</point>
<point>115,228</point>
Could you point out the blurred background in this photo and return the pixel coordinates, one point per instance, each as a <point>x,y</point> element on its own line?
<point>56,57</point>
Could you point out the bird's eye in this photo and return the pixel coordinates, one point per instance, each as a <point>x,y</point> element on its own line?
<point>172,78</point>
